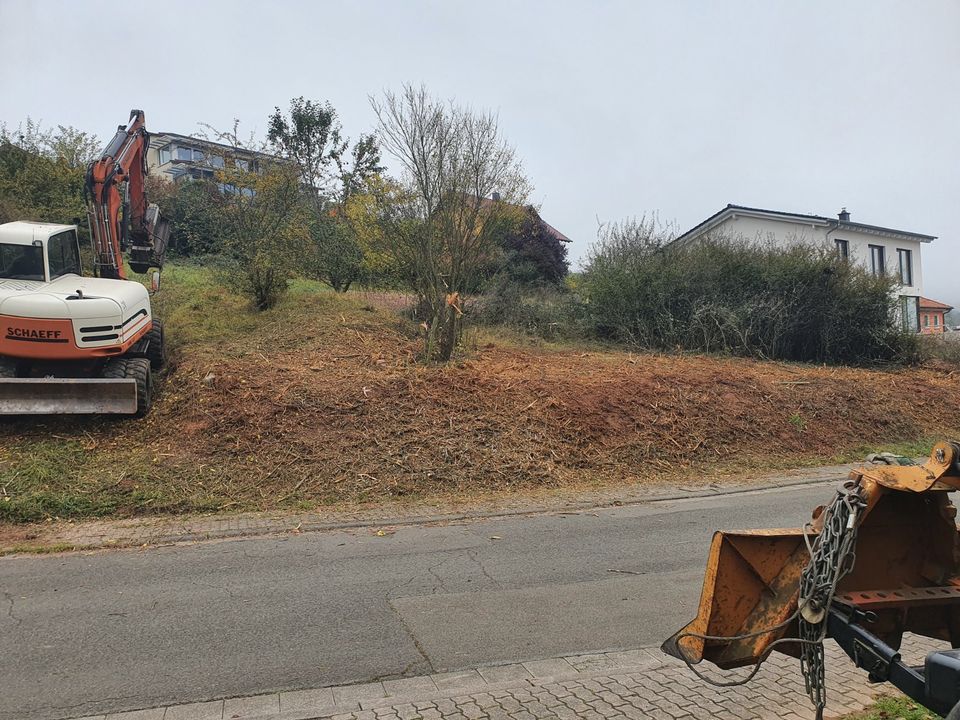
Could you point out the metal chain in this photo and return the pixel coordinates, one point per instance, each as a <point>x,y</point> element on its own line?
<point>832,556</point>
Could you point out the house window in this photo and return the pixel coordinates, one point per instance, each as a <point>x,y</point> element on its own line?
<point>164,155</point>
<point>926,320</point>
<point>910,313</point>
<point>184,153</point>
<point>936,320</point>
<point>242,165</point>
<point>877,265</point>
<point>843,249</point>
<point>198,156</point>
<point>906,266</point>
<point>216,161</point>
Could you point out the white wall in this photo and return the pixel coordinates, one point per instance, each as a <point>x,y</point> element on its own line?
<point>784,233</point>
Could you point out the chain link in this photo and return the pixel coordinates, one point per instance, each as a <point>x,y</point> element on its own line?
<point>832,556</point>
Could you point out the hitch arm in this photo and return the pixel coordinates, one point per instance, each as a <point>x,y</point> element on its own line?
<point>938,691</point>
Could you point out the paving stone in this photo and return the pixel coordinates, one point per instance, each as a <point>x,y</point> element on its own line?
<point>536,691</point>
<point>415,687</point>
<point>246,706</point>
<point>346,694</point>
<point>195,711</point>
<point>472,711</point>
<point>149,714</point>
<point>306,699</point>
<point>553,668</point>
<point>592,662</point>
<point>459,682</point>
<point>504,673</point>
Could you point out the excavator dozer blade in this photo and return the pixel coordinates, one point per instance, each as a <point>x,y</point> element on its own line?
<point>751,583</point>
<point>68,396</point>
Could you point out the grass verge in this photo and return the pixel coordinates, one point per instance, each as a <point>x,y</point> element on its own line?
<point>893,708</point>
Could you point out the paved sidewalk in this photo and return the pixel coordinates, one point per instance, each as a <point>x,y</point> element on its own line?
<point>151,531</point>
<point>629,685</point>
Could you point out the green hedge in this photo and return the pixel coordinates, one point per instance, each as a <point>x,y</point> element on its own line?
<point>722,295</point>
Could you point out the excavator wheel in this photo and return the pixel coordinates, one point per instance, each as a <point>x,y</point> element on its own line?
<point>156,352</point>
<point>137,369</point>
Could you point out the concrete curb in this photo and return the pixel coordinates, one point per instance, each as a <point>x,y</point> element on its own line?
<point>329,701</point>
<point>196,530</point>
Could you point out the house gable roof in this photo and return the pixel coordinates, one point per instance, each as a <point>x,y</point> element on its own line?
<point>557,235</point>
<point>733,210</point>
<point>928,304</point>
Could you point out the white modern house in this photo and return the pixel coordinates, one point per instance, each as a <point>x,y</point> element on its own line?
<point>177,157</point>
<point>881,250</point>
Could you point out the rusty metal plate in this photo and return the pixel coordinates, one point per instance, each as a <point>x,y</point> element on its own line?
<point>903,597</point>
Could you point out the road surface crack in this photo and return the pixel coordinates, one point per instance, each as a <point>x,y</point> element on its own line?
<point>439,584</point>
<point>413,639</point>
<point>473,554</point>
<point>10,614</point>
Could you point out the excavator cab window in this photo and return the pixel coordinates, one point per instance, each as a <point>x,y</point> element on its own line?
<point>21,262</point>
<point>64,253</point>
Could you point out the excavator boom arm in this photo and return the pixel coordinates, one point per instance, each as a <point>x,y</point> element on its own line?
<point>120,217</point>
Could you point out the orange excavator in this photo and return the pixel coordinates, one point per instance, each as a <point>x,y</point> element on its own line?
<point>882,559</point>
<point>73,344</point>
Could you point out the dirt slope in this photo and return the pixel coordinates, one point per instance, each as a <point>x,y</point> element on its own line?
<point>323,401</point>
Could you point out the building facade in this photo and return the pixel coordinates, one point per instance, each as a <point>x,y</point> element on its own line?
<point>933,319</point>
<point>180,157</point>
<point>881,250</point>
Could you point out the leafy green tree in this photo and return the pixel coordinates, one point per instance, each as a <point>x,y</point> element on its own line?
<point>191,208</point>
<point>42,173</point>
<point>331,170</point>
<point>335,257</point>
<point>263,227</point>
<point>311,135</point>
<point>533,253</point>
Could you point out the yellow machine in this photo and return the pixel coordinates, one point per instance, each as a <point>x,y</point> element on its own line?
<point>881,560</point>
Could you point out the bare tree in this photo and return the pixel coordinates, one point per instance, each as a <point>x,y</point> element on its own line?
<point>462,187</point>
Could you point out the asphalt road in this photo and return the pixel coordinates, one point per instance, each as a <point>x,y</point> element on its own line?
<point>116,630</point>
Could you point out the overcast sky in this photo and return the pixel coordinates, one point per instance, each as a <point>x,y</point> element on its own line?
<point>617,108</point>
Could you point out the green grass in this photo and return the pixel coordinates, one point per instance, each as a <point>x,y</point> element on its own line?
<point>197,311</point>
<point>910,448</point>
<point>25,549</point>
<point>43,478</point>
<point>893,708</point>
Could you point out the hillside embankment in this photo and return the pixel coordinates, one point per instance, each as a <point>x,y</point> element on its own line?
<point>321,401</point>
